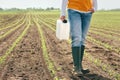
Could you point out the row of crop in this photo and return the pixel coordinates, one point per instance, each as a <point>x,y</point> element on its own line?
<point>109,27</point>
<point>49,63</point>
<point>3,18</point>
<point>104,35</point>
<point>7,21</point>
<point>105,67</point>
<point>107,41</point>
<point>3,58</point>
<point>49,15</point>
<point>14,23</point>
<point>105,31</point>
<point>109,21</point>
<point>11,19</point>
<point>13,29</point>
<point>105,45</point>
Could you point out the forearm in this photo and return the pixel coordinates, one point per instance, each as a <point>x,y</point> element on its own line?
<point>95,5</point>
<point>63,7</point>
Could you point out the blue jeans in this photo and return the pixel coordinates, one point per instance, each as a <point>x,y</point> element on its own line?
<point>79,25</point>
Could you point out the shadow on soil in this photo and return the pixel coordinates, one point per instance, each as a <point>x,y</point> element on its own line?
<point>89,77</point>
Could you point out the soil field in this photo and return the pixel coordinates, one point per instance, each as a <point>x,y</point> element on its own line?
<point>29,49</point>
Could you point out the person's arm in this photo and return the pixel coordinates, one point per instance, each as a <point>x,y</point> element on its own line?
<point>95,5</point>
<point>63,9</point>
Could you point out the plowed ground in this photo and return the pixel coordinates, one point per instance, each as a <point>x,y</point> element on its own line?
<point>26,61</point>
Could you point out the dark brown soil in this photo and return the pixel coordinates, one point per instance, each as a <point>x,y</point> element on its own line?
<point>6,41</point>
<point>26,61</point>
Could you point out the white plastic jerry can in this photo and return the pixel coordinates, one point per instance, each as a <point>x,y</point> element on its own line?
<point>62,29</point>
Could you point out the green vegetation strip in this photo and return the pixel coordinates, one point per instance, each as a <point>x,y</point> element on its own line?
<point>103,30</point>
<point>104,35</point>
<point>107,46</point>
<point>3,20</point>
<point>104,67</point>
<point>12,24</point>
<point>48,25</point>
<point>45,52</point>
<point>11,30</point>
<point>3,58</point>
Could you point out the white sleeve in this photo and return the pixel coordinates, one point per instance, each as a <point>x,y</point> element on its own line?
<point>95,5</point>
<point>63,7</point>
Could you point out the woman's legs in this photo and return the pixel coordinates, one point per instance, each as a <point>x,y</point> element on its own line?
<point>79,23</point>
